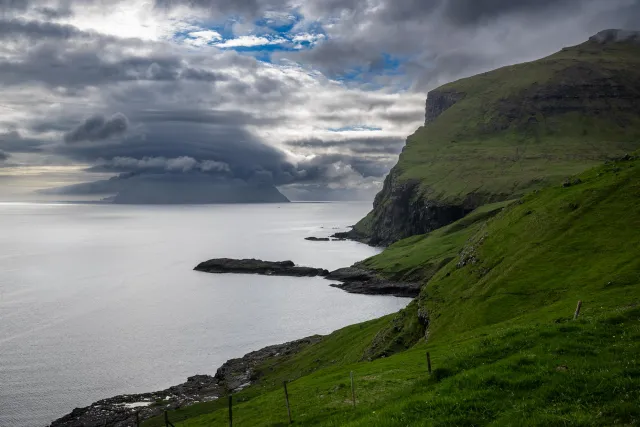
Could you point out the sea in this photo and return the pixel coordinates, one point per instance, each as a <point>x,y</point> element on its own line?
<point>98,300</point>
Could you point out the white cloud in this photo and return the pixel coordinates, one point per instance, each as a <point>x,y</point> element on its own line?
<point>202,37</point>
<point>250,41</point>
<point>177,164</point>
<point>308,37</point>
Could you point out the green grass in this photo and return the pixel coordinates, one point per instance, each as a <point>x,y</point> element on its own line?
<point>557,373</point>
<point>418,258</point>
<point>503,343</point>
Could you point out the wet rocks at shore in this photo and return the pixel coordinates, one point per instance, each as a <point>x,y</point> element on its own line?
<point>232,376</point>
<point>256,266</point>
<point>317,239</point>
<point>120,411</point>
<point>357,280</point>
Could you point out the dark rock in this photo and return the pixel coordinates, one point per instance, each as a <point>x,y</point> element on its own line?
<point>403,210</point>
<point>438,101</point>
<point>616,36</point>
<point>342,235</point>
<point>233,375</point>
<point>120,411</point>
<point>357,280</point>
<point>236,374</point>
<point>317,239</point>
<point>256,266</point>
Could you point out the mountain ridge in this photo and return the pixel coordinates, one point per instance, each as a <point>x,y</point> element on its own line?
<point>499,134</point>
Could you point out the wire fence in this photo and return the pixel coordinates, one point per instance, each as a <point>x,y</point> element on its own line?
<point>287,403</point>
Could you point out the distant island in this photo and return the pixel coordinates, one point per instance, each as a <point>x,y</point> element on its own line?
<point>150,189</point>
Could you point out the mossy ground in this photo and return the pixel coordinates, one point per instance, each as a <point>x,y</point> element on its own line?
<point>504,346</point>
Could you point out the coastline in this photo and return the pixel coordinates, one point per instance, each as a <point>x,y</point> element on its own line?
<point>234,375</point>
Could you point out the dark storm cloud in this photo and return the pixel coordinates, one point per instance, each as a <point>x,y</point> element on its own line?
<point>249,8</point>
<point>15,143</point>
<point>166,145</point>
<point>471,12</point>
<point>84,66</point>
<point>97,128</point>
<point>75,58</point>
<point>361,145</point>
<point>35,30</point>
<point>226,118</point>
<point>4,156</point>
<point>442,40</point>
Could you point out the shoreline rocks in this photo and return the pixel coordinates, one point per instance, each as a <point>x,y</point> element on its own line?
<point>354,280</point>
<point>232,376</point>
<point>357,280</point>
<point>317,239</point>
<point>256,266</point>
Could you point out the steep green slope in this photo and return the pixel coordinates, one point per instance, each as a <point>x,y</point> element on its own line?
<point>501,334</point>
<point>500,134</point>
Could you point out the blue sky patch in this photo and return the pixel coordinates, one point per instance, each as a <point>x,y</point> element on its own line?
<point>355,128</point>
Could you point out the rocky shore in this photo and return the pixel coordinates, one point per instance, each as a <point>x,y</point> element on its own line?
<point>360,281</point>
<point>354,280</point>
<point>232,376</point>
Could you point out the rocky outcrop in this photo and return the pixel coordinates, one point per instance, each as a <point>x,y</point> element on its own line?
<point>438,101</point>
<point>616,36</point>
<point>360,281</point>
<point>236,374</point>
<point>256,266</point>
<point>403,210</point>
<point>317,239</point>
<point>232,376</point>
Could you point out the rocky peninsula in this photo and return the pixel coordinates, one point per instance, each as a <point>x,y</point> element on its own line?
<point>355,279</point>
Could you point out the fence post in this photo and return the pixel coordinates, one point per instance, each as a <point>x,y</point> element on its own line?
<point>353,391</point>
<point>577,313</point>
<point>137,419</point>
<point>230,410</point>
<point>167,423</point>
<point>429,362</point>
<point>286,397</point>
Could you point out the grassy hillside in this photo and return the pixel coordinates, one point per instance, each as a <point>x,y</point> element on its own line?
<point>503,343</point>
<point>498,135</point>
<point>522,126</point>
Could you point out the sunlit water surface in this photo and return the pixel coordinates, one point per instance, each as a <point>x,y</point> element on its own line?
<point>100,300</point>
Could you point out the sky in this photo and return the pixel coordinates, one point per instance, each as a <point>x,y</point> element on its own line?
<point>314,96</point>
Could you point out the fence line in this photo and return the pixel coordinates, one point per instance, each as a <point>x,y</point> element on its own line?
<point>286,392</point>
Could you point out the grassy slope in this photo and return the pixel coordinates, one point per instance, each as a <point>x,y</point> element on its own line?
<point>420,257</point>
<point>501,337</point>
<point>498,141</point>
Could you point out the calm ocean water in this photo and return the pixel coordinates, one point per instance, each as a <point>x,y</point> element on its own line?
<point>100,300</point>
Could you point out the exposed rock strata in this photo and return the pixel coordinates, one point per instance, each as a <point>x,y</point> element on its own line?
<point>360,281</point>
<point>439,101</point>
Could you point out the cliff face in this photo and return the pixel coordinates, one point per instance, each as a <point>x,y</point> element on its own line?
<point>440,101</point>
<point>500,134</point>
